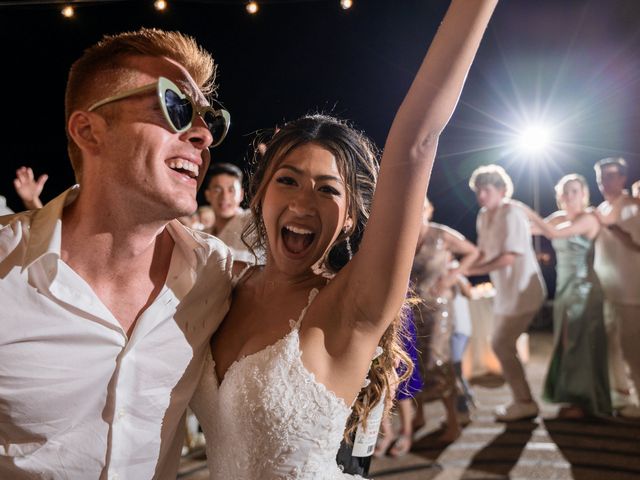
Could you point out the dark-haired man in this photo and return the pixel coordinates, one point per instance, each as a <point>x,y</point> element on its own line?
<point>224,193</point>
<point>108,303</point>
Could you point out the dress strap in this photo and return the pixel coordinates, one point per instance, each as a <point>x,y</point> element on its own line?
<point>296,324</point>
<point>235,280</point>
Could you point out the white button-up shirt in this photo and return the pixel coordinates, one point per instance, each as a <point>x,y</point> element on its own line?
<point>616,263</point>
<point>4,210</point>
<point>231,235</point>
<point>520,287</point>
<point>78,399</point>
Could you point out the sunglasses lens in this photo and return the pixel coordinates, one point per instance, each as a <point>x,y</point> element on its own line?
<point>217,126</point>
<point>179,109</point>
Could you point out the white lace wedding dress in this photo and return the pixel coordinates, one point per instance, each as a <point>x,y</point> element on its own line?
<point>270,418</point>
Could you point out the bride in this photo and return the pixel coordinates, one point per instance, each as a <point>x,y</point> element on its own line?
<point>290,359</point>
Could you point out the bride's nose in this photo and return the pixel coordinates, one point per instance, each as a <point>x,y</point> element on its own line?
<point>302,203</point>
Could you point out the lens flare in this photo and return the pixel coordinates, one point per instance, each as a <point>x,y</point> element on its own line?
<point>534,139</point>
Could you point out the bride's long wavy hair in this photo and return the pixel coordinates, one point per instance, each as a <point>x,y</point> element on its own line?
<point>357,160</point>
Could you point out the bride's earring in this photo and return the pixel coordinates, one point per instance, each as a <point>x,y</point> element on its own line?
<point>347,240</point>
<point>262,232</point>
<point>348,224</point>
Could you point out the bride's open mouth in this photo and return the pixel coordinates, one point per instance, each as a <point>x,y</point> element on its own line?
<point>296,240</point>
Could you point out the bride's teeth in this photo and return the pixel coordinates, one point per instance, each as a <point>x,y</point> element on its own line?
<point>300,231</point>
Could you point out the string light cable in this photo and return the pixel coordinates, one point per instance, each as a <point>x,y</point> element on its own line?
<point>163,4</point>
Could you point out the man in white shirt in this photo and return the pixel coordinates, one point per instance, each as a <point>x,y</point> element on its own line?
<point>108,303</point>
<point>224,193</point>
<point>617,263</point>
<point>504,239</point>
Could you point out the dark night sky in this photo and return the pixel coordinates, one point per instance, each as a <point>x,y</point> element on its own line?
<point>574,62</point>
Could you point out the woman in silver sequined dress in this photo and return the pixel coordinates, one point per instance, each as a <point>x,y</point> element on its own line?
<point>434,277</point>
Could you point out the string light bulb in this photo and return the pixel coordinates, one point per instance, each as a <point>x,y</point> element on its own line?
<point>68,11</point>
<point>346,4</point>
<point>252,7</point>
<point>160,5</point>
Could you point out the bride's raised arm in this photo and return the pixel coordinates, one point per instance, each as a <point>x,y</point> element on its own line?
<point>378,275</point>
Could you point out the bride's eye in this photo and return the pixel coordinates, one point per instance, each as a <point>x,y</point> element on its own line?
<point>284,180</point>
<point>330,190</point>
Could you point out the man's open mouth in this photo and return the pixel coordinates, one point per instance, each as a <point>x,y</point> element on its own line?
<point>185,167</point>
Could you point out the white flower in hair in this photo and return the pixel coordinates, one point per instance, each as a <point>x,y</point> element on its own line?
<point>377,353</point>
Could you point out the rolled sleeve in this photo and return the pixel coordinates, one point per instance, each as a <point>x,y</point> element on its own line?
<point>630,222</point>
<point>517,234</point>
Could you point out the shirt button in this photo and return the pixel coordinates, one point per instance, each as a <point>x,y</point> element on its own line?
<point>121,413</point>
<point>115,476</point>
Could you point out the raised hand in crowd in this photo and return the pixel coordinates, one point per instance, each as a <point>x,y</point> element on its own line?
<point>28,188</point>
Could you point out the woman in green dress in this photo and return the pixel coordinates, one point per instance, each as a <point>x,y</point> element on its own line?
<point>577,375</point>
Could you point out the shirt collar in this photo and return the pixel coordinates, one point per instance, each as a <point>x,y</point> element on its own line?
<point>192,244</point>
<point>46,233</point>
<point>46,227</point>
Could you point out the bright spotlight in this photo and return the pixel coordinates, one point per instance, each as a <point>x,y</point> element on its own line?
<point>534,139</point>
<point>252,7</point>
<point>160,5</point>
<point>346,4</point>
<point>68,11</point>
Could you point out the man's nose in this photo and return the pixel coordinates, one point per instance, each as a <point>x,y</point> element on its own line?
<point>198,134</point>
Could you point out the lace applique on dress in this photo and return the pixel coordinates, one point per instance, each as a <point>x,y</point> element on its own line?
<point>271,419</point>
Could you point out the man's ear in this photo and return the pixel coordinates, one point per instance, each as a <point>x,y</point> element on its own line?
<point>84,129</point>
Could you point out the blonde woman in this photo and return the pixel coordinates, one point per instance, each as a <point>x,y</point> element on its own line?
<point>577,375</point>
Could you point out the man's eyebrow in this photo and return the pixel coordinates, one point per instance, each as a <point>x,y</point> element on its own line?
<point>319,177</point>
